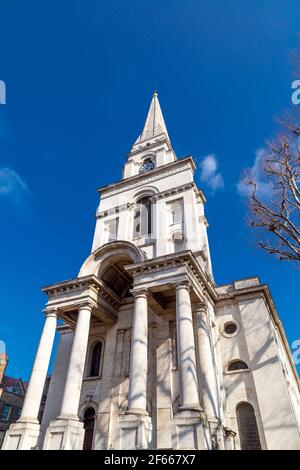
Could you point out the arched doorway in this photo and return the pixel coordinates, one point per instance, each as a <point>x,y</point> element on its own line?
<point>88,424</point>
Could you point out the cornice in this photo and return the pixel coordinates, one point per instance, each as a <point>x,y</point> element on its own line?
<point>74,285</point>
<point>162,195</point>
<point>140,147</point>
<point>178,190</point>
<point>114,210</point>
<point>184,257</point>
<point>145,178</point>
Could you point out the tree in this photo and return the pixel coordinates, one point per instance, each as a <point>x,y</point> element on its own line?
<point>275,210</point>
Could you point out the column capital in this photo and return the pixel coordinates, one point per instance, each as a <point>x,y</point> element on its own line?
<point>50,312</point>
<point>200,309</point>
<point>183,285</point>
<point>85,304</point>
<point>140,293</point>
<point>229,432</point>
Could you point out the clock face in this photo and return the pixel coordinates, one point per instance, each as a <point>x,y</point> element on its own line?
<point>148,165</point>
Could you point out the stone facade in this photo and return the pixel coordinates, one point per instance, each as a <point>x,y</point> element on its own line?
<point>152,353</point>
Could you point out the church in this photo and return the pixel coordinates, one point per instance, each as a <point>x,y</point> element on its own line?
<point>153,354</point>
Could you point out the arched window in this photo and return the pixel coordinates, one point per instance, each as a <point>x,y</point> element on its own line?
<point>88,424</point>
<point>248,431</point>
<point>143,217</point>
<point>96,360</point>
<point>237,365</point>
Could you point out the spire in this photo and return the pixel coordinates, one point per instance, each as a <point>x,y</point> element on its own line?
<point>155,124</point>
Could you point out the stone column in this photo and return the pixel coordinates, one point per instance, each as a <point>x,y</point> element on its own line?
<point>35,388</point>
<point>186,349</point>
<point>208,375</point>
<point>66,431</point>
<point>23,434</point>
<point>71,395</point>
<point>139,355</point>
<point>229,439</point>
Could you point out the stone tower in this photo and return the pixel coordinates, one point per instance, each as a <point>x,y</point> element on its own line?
<point>152,353</point>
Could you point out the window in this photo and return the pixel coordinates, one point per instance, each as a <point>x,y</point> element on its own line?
<point>143,217</point>
<point>237,365</point>
<point>176,209</point>
<point>5,412</point>
<point>248,431</point>
<point>230,328</point>
<point>96,360</point>
<point>112,230</point>
<point>18,412</point>
<point>88,424</point>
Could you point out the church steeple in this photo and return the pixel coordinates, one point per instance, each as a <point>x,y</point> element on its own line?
<point>152,148</point>
<point>154,124</point>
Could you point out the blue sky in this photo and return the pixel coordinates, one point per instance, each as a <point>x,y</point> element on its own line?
<point>79,77</point>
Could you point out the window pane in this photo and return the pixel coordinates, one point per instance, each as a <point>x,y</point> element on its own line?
<point>237,365</point>
<point>230,328</point>
<point>143,217</point>
<point>137,223</point>
<point>5,412</point>
<point>96,357</point>
<point>248,431</point>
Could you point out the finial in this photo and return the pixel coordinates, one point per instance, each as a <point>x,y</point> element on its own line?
<point>155,94</point>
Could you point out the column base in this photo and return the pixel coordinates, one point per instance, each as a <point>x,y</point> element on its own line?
<point>22,435</point>
<point>217,434</point>
<point>136,411</point>
<point>188,431</point>
<point>194,407</point>
<point>64,434</point>
<point>134,431</point>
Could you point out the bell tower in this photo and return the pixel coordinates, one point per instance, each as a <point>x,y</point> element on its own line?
<point>157,205</point>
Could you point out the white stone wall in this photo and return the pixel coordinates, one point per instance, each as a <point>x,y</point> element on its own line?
<point>264,386</point>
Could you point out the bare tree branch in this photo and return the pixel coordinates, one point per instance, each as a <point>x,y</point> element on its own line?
<point>276,214</point>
